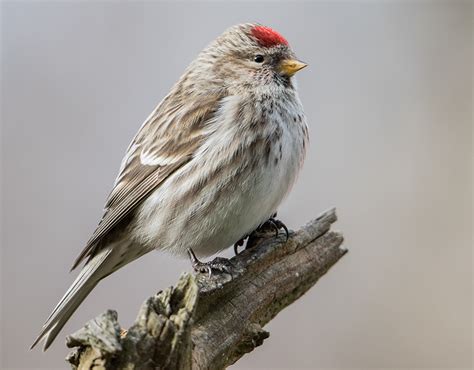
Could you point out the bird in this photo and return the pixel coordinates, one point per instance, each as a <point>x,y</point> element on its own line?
<point>210,165</point>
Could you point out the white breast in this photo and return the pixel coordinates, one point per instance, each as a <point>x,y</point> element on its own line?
<point>228,207</point>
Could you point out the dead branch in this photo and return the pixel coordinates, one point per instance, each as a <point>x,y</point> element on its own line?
<point>210,322</point>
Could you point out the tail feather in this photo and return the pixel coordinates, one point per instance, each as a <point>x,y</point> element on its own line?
<point>87,279</point>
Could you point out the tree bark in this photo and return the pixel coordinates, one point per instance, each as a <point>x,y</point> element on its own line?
<point>210,322</point>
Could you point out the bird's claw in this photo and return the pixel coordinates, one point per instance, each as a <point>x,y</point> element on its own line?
<point>277,225</point>
<point>273,223</point>
<point>220,264</point>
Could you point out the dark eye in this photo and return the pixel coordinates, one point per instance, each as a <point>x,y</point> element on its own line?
<point>259,58</point>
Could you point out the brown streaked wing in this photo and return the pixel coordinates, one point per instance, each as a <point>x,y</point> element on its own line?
<point>165,142</point>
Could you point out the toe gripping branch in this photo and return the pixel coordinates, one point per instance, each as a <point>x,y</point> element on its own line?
<point>217,264</point>
<point>271,223</point>
<point>224,265</point>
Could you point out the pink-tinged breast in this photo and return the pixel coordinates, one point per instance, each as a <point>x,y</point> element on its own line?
<point>268,37</point>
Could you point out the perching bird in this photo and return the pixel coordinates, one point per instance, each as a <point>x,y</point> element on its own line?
<point>210,164</point>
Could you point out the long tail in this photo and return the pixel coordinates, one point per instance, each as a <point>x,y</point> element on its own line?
<point>87,279</point>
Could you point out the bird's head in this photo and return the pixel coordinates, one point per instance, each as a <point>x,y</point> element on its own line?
<point>250,56</point>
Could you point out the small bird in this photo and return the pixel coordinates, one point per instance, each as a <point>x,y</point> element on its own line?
<point>209,166</point>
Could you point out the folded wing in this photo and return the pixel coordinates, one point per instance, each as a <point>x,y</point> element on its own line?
<point>166,141</point>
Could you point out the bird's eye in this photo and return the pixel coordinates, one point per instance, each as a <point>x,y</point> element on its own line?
<point>259,58</point>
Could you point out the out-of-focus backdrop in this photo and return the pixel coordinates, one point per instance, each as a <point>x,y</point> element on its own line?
<point>388,95</point>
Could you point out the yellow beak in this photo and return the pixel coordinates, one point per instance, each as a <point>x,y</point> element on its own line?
<point>289,67</point>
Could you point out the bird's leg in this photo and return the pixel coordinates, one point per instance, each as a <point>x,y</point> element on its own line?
<point>277,225</point>
<point>217,264</point>
<point>271,223</point>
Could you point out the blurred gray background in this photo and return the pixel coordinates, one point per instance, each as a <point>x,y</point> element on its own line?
<point>388,95</point>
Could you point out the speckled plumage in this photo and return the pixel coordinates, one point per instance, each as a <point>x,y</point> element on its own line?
<point>210,164</point>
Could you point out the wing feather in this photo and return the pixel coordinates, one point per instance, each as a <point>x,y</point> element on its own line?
<point>165,142</point>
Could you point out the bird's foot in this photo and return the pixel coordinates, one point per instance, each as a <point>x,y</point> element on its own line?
<point>222,265</point>
<point>271,224</point>
<point>277,225</point>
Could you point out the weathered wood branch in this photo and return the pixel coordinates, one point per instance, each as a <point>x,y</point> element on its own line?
<point>210,322</point>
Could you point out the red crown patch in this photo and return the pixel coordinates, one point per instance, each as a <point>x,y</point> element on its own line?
<point>268,37</point>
